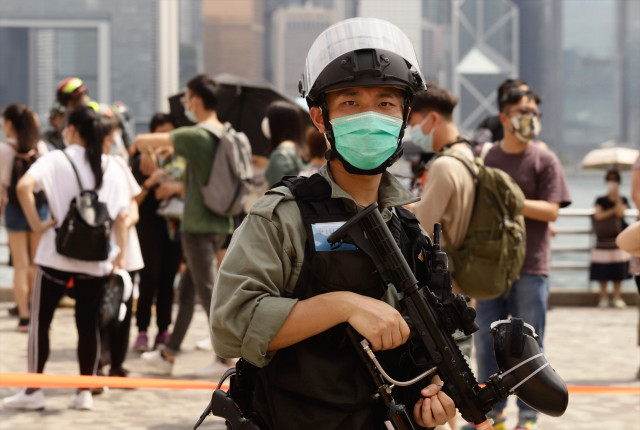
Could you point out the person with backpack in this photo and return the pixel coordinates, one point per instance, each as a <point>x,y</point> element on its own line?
<point>84,240</point>
<point>203,231</point>
<point>284,296</point>
<point>539,174</point>
<point>448,192</point>
<point>20,149</point>
<point>115,334</point>
<point>470,200</point>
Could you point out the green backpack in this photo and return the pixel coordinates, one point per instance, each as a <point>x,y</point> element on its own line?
<point>492,253</point>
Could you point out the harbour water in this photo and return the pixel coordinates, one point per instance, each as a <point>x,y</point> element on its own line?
<point>584,186</point>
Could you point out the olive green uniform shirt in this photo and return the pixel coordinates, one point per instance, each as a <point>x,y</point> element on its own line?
<point>261,267</point>
<point>198,147</point>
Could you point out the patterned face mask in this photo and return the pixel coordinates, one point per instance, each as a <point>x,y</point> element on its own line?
<point>526,127</point>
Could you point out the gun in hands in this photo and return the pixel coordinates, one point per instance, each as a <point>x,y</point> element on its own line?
<point>433,319</point>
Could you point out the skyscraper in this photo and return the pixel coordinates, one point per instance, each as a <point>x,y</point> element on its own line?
<point>540,62</point>
<point>294,30</point>
<point>233,33</point>
<point>407,15</point>
<point>191,41</point>
<point>484,52</point>
<point>122,50</point>
<point>628,71</point>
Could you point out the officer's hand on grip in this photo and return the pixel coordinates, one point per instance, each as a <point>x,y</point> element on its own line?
<point>380,323</point>
<point>435,408</point>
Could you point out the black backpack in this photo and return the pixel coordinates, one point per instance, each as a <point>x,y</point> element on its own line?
<point>86,229</point>
<point>20,165</point>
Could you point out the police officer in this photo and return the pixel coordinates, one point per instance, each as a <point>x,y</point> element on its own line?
<point>283,296</point>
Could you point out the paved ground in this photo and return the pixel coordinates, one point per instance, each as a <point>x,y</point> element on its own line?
<point>586,346</point>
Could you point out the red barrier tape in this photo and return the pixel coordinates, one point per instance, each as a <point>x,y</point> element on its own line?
<point>40,380</point>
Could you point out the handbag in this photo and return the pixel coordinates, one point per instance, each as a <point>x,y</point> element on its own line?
<point>172,208</point>
<point>110,300</point>
<point>86,229</point>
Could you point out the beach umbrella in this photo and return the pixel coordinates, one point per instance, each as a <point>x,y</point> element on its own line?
<point>612,158</point>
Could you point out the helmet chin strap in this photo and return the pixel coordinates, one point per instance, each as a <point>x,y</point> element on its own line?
<point>333,152</point>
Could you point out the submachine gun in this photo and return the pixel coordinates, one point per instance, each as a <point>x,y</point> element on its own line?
<point>523,369</point>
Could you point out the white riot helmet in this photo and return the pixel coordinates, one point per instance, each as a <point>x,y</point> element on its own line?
<point>360,52</point>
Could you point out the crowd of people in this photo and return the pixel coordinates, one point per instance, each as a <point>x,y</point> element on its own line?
<point>281,312</point>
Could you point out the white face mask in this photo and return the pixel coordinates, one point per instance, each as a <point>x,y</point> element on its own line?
<point>421,140</point>
<point>612,186</point>
<point>266,130</point>
<point>190,115</point>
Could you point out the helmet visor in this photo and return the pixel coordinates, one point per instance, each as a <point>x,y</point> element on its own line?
<point>351,35</point>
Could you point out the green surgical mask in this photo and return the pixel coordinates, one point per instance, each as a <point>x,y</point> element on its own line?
<point>366,140</point>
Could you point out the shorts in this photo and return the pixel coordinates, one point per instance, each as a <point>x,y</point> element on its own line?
<point>15,221</point>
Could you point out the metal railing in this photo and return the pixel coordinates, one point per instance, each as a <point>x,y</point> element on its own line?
<point>559,248</point>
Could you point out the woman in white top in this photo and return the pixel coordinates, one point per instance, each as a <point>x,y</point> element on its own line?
<point>53,173</point>
<point>115,340</point>
<point>22,147</point>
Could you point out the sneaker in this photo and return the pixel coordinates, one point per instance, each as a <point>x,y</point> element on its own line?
<point>24,401</point>
<point>204,344</point>
<point>214,369</point>
<point>161,365</point>
<point>23,325</point>
<point>603,302</point>
<point>142,342</point>
<point>119,372</point>
<point>82,400</point>
<point>618,303</point>
<point>527,424</point>
<point>161,340</point>
<point>96,391</point>
<point>499,422</point>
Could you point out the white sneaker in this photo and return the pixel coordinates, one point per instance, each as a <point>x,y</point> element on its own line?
<point>22,400</point>
<point>214,369</point>
<point>82,400</point>
<point>161,366</point>
<point>204,345</point>
<point>618,303</point>
<point>603,302</point>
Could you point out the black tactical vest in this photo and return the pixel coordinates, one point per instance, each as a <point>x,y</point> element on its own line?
<point>320,383</point>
